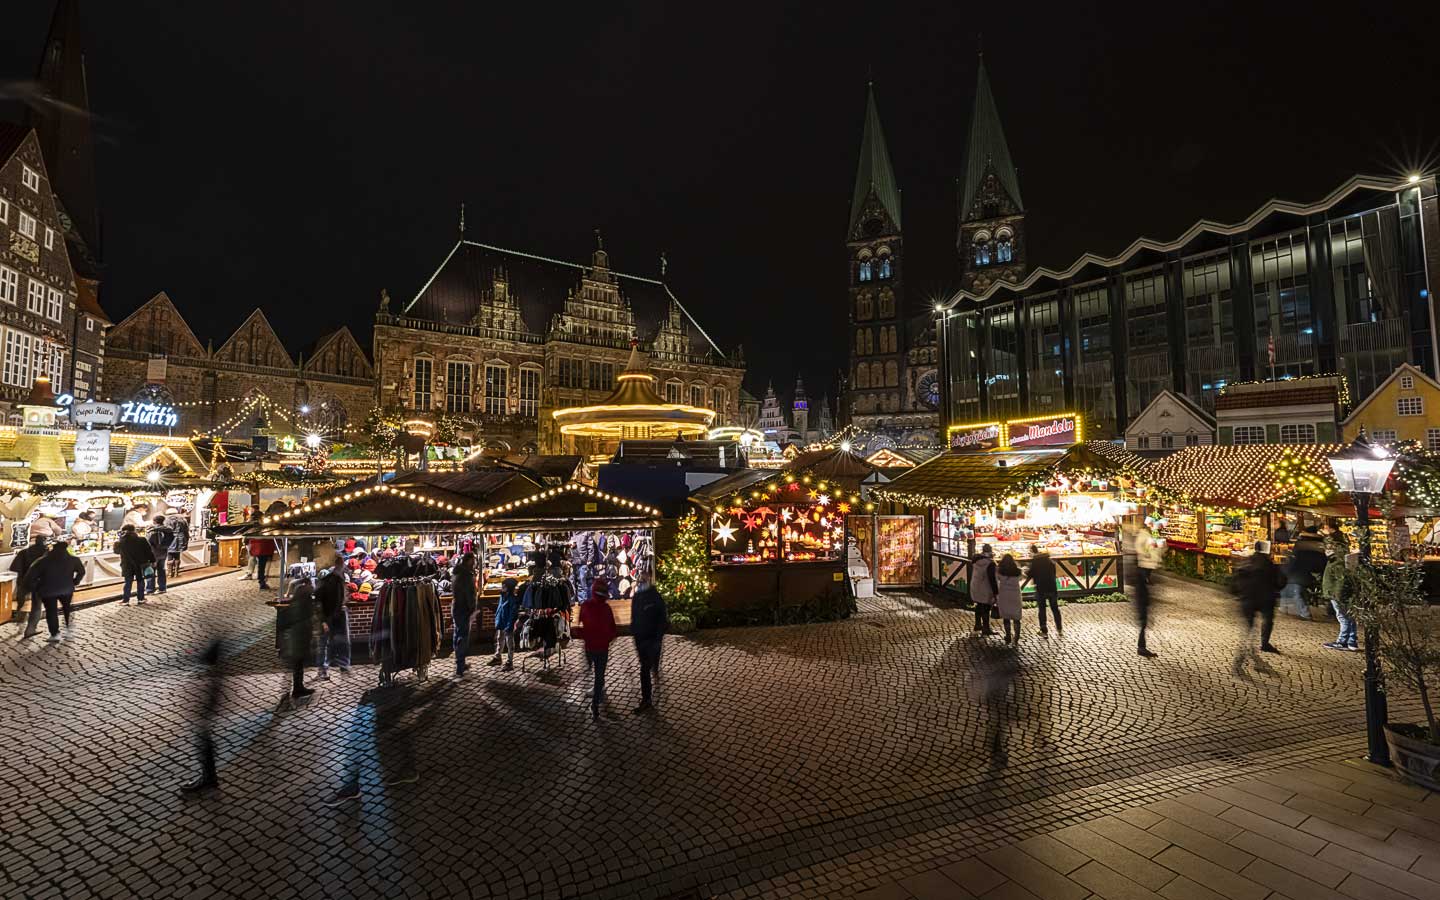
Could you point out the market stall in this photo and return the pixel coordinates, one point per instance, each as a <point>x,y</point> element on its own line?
<point>1067,500</point>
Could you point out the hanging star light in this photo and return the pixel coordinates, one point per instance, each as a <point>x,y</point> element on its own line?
<point>843,507</point>
<point>725,533</point>
<point>823,500</point>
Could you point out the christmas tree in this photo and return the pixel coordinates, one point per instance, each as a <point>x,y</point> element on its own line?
<point>685,572</point>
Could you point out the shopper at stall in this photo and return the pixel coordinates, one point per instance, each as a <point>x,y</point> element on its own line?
<point>1256,584</point>
<point>137,517</point>
<point>1047,589</point>
<point>1149,556</point>
<point>53,578</point>
<point>983,588</point>
<point>331,591</point>
<point>135,557</point>
<point>299,627</point>
<point>463,589</point>
<point>20,565</point>
<point>1307,564</point>
<point>161,538</point>
<point>1007,595</point>
<point>1335,586</point>
<point>45,527</point>
<point>181,542</point>
<point>597,625</point>
<point>262,550</point>
<point>1282,532</point>
<point>649,621</point>
<point>505,609</point>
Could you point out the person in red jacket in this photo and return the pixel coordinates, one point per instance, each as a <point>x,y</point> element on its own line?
<point>262,549</point>
<point>597,628</point>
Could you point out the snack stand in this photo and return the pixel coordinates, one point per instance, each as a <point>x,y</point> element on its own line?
<point>1016,484</point>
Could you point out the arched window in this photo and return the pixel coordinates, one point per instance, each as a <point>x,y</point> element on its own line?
<point>859,342</point>
<point>1002,251</point>
<point>894,342</point>
<point>892,374</point>
<point>862,375</point>
<point>982,254</point>
<point>864,270</point>
<point>864,306</point>
<point>894,402</point>
<point>884,341</point>
<point>887,303</point>
<point>869,340</point>
<point>884,268</point>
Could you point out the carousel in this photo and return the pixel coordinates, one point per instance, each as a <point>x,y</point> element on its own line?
<point>633,411</point>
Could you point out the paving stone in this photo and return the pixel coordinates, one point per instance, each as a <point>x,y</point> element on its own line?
<point>1288,857</point>
<point>1182,888</point>
<point>974,876</point>
<point>1123,860</point>
<point>1111,885</point>
<point>934,886</point>
<point>1055,854</point>
<point>1127,835</point>
<point>1393,854</point>
<point>1202,845</point>
<point>1042,881</point>
<point>1287,881</point>
<point>1285,834</point>
<point>1381,873</point>
<point>1217,878</point>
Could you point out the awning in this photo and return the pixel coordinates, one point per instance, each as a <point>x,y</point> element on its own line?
<point>964,480</point>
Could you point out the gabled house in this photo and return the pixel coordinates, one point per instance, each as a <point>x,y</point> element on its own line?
<point>1405,407</point>
<point>1169,422</point>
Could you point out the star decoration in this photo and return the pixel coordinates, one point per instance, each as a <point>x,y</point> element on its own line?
<point>794,487</point>
<point>813,494</point>
<point>843,507</point>
<point>787,513</point>
<point>824,500</point>
<point>725,533</point>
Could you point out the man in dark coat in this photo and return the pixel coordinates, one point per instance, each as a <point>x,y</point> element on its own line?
<point>649,621</point>
<point>299,625</point>
<point>462,607</point>
<point>135,555</point>
<point>332,592</point>
<point>161,538</point>
<point>1256,583</point>
<point>21,564</point>
<point>53,579</point>
<point>1307,564</point>
<point>1042,575</point>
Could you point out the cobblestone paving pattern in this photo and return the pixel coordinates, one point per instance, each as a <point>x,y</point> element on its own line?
<point>817,761</point>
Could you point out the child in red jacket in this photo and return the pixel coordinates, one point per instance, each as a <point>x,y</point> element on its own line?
<point>597,628</point>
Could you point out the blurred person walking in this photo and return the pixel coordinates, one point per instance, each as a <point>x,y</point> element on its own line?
<point>597,624</point>
<point>649,622</point>
<point>331,591</point>
<point>1047,589</point>
<point>1256,583</point>
<point>1149,556</point>
<point>1007,595</point>
<point>53,579</point>
<point>20,565</point>
<point>463,607</point>
<point>205,724</point>
<point>299,621</point>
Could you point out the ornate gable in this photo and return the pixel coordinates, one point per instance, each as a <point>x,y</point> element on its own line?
<point>255,343</point>
<point>156,327</point>
<point>339,354</point>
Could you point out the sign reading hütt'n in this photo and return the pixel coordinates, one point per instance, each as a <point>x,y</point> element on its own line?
<point>148,414</point>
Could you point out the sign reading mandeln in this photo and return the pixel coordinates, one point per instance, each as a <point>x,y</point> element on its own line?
<point>1056,432</point>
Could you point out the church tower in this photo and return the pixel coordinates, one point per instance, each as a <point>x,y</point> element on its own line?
<point>874,251</point>
<point>991,239</point>
<point>800,411</point>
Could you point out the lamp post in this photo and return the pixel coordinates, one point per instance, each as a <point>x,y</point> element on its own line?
<point>1361,471</point>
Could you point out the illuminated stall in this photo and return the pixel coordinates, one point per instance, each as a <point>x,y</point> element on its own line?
<point>1018,484</point>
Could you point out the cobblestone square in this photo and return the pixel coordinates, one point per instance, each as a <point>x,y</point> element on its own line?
<point>815,761</point>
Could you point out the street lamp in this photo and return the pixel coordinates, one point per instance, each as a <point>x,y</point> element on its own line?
<point>1360,471</point>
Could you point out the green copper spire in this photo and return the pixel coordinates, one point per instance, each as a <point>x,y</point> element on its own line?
<point>874,172</point>
<point>987,148</point>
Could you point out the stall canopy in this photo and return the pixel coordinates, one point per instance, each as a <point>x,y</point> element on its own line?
<point>960,480</point>
<point>1247,476</point>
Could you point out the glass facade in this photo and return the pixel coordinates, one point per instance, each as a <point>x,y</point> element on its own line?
<point>1284,317</point>
<point>1045,355</point>
<point>1147,344</point>
<point>1094,374</point>
<point>1002,363</point>
<point>1211,360</point>
<point>1368,284</point>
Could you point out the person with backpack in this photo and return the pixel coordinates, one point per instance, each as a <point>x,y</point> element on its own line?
<point>20,565</point>
<point>161,538</point>
<point>649,621</point>
<point>983,588</point>
<point>1256,584</point>
<point>1047,589</point>
<point>597,623</point>
<point>136,556</point>
<point>181,542</point>
<point>53,579</point>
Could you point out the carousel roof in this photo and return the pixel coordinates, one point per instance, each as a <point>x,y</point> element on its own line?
<point>634,408</point>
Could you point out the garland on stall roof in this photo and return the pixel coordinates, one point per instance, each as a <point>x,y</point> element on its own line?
<point>1418,469</point>
<point>1344,385</point>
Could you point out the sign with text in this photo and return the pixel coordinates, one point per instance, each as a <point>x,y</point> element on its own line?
<point>155,369</point>
<point>92,450</point>
<point>148,414</point>
<point>92,413</point>
<point>978,437</point>
<point>1057,432</point>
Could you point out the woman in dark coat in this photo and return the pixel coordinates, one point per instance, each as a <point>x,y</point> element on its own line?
<point>463,606</point>
<point>299,628</point>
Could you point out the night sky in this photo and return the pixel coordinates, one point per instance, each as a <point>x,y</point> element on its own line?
<point>303,160</point>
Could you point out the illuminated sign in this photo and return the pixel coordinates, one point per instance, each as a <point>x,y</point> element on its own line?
<point>1053,432</point>
<point>148,414</point>
<point>92,412</point>
<point>92,450</point>
<point>975,437</point>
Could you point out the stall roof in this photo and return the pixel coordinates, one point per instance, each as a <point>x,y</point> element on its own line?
<point>962,478</point>
<point>841,466</point>
<point>719,490</point>
<point>1234,476</point>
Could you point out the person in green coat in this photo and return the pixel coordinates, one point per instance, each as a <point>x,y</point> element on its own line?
<point>1335,587</point>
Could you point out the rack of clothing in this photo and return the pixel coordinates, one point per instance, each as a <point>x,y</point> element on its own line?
<point>406,628</point>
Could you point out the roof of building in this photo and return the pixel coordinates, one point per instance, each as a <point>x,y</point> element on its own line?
<point>987,147</point>
<point>1234,476</point>
<point>11,137</point>
<point>1402,369</point>
<point>1298,394</point>
<point>88,300</point>
<point>960,479</point>
<point>874,170</point>
<point>465,280</point>
<point>1178,399</point>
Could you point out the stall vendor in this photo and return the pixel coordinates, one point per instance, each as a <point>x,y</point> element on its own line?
<point>83,527</point>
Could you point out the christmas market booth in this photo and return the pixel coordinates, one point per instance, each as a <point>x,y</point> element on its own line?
<point>1021,483</point>
<point>780,537</point>
<point>413,529</point>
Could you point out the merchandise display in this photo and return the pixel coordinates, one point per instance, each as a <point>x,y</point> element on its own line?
<point>1228,534</point>
<point>899,543</point>
<point>812,532</point>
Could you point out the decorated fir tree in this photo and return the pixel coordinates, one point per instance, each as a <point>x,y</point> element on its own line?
<point>685,574</point>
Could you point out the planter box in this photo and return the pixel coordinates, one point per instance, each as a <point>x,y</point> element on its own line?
<point>1417,760</point>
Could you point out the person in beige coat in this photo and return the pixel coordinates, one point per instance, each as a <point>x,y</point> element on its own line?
<point>1007,597</point>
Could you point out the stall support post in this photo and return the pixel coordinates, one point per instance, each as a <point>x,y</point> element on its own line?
<point>284,566</point>
<point>1377,711</point>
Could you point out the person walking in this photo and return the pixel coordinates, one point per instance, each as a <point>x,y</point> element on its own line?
<point>1149,556</point>
<point>331,591</point>
<point>1047,589</point>
<point>299,628</point>
<point>463,606</point>
<point>1335,586</point>
<point>983,588</point>
<point>1007,595</point>
<point>20,565</point>
<point>161,538</point>
<point>1257,584</point>
<point>205,726</point>
<point>53,579</point>
<point>262,550</point>
<point>505,610</point>
<point>180,544</point>
<point>597,624</point>
<point>136,556</point>
<point>1307,563</point>
<point>649,622</point>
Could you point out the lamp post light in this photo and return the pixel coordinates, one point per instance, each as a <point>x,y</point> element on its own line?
<point>1361,471</point>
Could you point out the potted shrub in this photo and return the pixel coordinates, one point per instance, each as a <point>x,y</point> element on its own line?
<point>1392,599</point>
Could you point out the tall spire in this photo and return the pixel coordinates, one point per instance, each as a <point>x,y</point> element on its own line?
<point>61,119</point>
<point>987,148</point>
<point>874,172</point>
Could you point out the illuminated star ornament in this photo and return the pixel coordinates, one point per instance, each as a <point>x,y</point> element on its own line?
<point>725,532</point>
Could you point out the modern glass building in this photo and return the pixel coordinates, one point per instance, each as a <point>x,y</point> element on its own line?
<point>1342,285</point>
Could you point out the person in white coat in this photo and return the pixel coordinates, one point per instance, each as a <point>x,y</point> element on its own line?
<point>1149,556</point>
<point>983,588</point>
<point>1007,597</point>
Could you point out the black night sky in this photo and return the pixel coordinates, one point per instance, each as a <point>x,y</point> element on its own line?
<point>301,156</point>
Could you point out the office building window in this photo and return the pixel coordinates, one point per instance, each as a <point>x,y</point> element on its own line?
<point>457,387</point>
<point>1281,285</point>
<point>424,382</point>
<point>497,385</point>
<point>1249,434</point>
<point>1410,406</point>
<point>9,285</point>
<point>1297,434</point>
<point>529,392</point>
